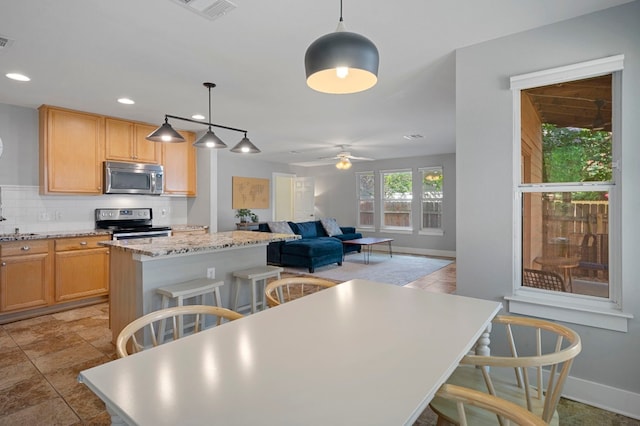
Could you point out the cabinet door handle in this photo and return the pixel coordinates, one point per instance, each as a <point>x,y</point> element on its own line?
<point>25,248</point>
<point>83,243</point>
<point>4,263</point>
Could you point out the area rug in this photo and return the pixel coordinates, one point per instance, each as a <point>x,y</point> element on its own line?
<point>397,270</point>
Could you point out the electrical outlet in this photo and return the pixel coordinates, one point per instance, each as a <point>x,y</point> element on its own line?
<point>211,273</point>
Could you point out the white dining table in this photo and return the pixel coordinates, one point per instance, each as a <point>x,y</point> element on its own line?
<point>359,353</point>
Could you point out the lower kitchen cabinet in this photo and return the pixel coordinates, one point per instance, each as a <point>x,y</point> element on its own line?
<point>81,268</point>
<point>25,275</point>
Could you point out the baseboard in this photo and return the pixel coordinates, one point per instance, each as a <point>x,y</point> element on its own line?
<point>602,396</point>
<point>412,250</point>
<point>597,395</point>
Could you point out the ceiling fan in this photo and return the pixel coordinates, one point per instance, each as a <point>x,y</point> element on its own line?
<point>598,121</point>
<point>345,158</point>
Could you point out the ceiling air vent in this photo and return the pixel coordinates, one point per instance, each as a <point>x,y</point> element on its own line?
<point>210,9</point>
<point>5,43</point>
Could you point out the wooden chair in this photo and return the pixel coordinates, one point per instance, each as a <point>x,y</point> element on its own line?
<point>154,322</point>
<point>594,254</point>
<point>475,400</point>
<point>287,289</point>
<point>546,280</point>
<point>533,344</point>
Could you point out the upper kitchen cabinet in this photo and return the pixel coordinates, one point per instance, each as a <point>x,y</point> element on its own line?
<point>125,141</point>
<point>179,161</point>
<point>71,151</point>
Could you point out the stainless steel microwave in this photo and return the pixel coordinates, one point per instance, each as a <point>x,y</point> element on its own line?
<point>132,178</point>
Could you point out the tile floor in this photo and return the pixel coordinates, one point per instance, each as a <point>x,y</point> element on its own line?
<point>41,358</point>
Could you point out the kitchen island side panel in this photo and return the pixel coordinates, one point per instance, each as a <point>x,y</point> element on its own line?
<point>145,274</point>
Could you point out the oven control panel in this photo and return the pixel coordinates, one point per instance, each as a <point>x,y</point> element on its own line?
<point>123,214</point>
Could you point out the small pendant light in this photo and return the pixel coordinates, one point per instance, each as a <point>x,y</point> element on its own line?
<point>209,139</point>
<point>341,62</point>
<point>245,146</point>
<point>165,133</point>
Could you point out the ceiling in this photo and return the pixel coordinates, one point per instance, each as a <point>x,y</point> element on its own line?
<point>581,103</point>
<point>85,54</point>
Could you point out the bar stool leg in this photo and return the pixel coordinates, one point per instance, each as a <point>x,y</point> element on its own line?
<point>237,292</point>
<point>253,296</point>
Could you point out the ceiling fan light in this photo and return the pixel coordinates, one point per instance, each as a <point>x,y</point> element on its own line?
<point>343,164</point>
<point>210,140</point>
<point>165,133</point>
<point>245,146</point>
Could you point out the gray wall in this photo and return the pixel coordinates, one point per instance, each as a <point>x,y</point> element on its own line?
<point>19,134</point>
<point>229,165</point>
<point>484,152</point>
<point>336,197</point>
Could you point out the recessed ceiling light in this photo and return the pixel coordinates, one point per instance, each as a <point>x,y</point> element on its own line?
<point>198,117</point>
<point>126,101</point>
<point>18,77</point>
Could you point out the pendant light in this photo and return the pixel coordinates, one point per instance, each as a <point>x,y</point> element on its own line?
<point>245,146</point>
<point>165,133</point>
<point>209,140</point>
<point>341,62</point>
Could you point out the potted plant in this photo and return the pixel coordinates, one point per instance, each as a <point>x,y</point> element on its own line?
<point>244,215</point>
<point>254,218</point>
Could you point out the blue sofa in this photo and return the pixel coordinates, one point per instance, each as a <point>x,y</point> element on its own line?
<point>314,249</point>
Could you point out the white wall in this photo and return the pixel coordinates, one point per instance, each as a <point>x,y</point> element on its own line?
<point>484,150</point>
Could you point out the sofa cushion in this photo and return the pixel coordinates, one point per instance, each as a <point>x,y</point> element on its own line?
<point>345,237</point>
<point>281,227</point>
<point>308,229</point>
<point>319,246</point>
<point>331,227</point>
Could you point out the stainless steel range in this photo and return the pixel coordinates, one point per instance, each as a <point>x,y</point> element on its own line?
<point>127,224</point>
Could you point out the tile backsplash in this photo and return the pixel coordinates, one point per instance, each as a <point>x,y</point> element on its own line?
<point>23,207</point>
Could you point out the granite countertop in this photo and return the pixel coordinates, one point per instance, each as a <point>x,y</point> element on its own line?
<point>179,228</point>
<point>183,244</point>
<point>23,236</point>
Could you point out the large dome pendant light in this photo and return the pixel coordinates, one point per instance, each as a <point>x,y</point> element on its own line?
<point>341,62</point>
<point>209,139</point>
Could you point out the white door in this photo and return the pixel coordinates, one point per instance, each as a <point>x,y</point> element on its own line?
<point>282,196</point>
<point>304,199</point>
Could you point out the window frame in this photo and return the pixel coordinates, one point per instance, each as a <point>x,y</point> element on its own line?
<point>396,229</point>
<point>586,310</point>
<point>431,231</point>
<point>359,199</point>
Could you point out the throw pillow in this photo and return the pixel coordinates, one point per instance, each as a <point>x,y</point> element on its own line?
<point>280,227</point>
<point>330,225</point>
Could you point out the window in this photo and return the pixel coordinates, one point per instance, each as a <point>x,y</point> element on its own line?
<point>366,203</point>
<point>431,199</point>
<point>397,196</point>
<point>567,205</point>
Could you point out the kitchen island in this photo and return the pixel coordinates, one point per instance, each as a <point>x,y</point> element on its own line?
<point>138,267</point>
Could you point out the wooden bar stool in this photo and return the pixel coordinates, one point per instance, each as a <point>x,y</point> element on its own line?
<point>186,290</point>
<point>253,275</point>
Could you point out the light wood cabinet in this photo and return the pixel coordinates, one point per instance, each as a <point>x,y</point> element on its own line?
<point>71,151</point>
<point>81,268</point>
<point>126,141</point>
<point>179,161</point>
<point>25,275</point>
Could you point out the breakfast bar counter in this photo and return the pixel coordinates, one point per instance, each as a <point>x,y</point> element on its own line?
<point>139,266</point>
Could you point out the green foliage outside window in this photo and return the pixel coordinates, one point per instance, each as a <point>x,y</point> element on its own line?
<point>397,185</point>
<point>576,155</point>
